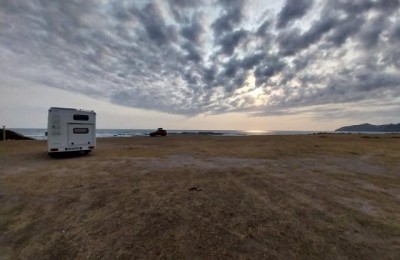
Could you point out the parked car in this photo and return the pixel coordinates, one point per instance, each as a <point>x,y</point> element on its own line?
<point>160,132</point>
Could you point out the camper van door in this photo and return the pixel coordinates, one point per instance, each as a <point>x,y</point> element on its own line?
<point>80,134</point>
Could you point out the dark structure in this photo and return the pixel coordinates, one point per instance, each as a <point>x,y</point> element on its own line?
<point>159,132</point>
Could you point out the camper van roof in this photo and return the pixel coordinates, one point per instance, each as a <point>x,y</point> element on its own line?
<point>65,108</point>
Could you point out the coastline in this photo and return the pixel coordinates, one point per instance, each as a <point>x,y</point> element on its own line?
<point>39,133</point>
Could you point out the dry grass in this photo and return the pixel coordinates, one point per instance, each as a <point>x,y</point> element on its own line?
<point>321,196</point>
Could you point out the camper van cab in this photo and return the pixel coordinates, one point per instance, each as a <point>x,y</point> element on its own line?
<point>71,130</point>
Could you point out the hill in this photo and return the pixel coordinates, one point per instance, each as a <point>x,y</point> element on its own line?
<point>11,135</point>
<point>371,128</point>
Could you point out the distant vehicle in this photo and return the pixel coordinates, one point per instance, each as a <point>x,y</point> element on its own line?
<point>71,130</point>
<point>160,132</point>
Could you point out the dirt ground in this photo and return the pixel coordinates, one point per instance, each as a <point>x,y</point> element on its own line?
<point>280,197</point>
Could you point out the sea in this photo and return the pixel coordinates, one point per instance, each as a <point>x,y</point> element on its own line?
<point>40,133</point>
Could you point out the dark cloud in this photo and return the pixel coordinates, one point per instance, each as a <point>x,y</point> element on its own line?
<point>230,17</point>
<point>262,29</point>
<point>190,57</point>
<point>155,26</point>
<point>293,9</point>
<point>209,75</point>
<point>395,34</point>
<point>345,29</point>
<point>252,60</point>
<point>372,30</point>
<point>292,41</point>
<point>230,41</point>
<point>184,3</point>
<point>230,68</point>
<point>193,31</point>
<point>270,67</point>
<point>387,5</point>
<point>193,53</point>
<point>180,8</point>
<point>354,7</point>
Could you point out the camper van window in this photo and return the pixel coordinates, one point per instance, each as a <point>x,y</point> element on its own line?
<point>81,117</point>
<point>81,130</point>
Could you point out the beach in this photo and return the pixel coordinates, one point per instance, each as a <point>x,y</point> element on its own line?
<point>310,196</point>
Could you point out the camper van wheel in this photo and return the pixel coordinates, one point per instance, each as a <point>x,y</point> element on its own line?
<point>54,155</point>
<point>86,151</point>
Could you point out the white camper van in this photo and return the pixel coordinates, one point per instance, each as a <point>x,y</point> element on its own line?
<point>71,130</point>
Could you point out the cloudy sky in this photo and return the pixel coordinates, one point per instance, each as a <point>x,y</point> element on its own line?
<point>229,64</point>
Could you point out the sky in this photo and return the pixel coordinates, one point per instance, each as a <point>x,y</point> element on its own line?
<point>202,64</point>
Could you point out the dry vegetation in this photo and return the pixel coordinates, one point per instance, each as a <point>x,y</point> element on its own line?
<point>320,196</point>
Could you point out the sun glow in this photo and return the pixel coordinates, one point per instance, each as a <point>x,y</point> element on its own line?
<point>251,91</point>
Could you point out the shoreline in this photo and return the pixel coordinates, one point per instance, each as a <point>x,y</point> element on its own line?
<point>227,133</point>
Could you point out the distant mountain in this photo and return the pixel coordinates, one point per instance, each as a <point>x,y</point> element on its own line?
<point>371,128</point>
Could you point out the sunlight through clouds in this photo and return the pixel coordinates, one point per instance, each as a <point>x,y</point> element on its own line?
<point>207,57</point>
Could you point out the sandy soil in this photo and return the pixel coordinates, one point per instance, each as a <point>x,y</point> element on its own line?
<point>318,196</point>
